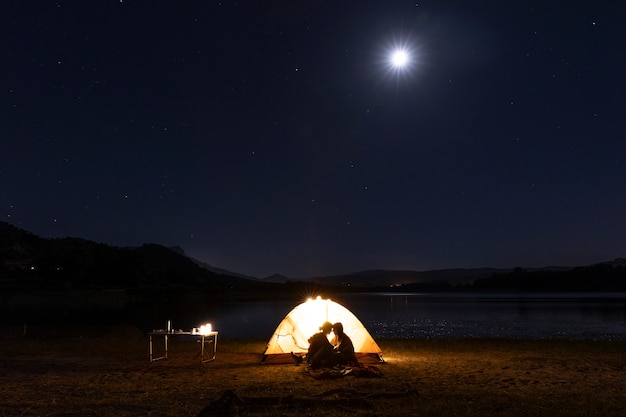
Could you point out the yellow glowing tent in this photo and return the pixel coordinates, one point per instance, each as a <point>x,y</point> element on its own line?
<point>293,332</point>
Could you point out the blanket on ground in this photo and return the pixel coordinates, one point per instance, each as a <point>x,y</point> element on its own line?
<point>363,371</point>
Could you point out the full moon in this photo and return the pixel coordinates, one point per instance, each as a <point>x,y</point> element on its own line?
<point>399,58</point>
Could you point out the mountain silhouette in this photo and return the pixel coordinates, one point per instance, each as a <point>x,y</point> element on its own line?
<point>31,263</point>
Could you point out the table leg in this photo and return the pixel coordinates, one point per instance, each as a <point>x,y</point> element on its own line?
<point>203,353</point>
<point>151,351</point>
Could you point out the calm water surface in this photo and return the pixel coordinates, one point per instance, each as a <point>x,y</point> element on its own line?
<point>575,316</point>
<point>535,316</point>
<point>532,316</point>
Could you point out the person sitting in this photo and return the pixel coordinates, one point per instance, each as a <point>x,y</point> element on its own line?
<point>320,353</point>
<point>343,347</point>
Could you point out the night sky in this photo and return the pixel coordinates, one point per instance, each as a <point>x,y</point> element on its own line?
<point>276,137</point>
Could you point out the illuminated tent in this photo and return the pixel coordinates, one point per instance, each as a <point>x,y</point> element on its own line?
<point>292,334</point>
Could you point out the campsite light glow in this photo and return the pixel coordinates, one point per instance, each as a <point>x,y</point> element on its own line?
<point>205,329</point>
<point>304,320</point>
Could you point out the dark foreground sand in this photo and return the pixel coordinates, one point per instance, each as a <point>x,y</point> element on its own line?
<point>108,374</point>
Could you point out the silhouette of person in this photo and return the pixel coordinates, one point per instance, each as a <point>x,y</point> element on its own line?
<point>320,353</point>
<point>343,347</point>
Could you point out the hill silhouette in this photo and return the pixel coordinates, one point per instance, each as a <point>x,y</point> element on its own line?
<point>31,263</point>
<point>607,276</point>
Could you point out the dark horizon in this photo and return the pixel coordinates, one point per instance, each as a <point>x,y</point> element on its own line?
<point>31,263</point>
<point>620,261</point>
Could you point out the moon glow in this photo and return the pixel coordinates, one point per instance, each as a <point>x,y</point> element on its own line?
<point>399,58</point>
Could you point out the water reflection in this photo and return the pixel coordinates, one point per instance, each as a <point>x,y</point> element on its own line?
<point>536,316</point>
<point>464,315</point>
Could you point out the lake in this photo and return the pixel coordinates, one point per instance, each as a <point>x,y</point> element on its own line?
<point>573,316</point>
<point>519,316</point>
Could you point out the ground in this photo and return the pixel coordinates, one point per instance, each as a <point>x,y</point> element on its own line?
<point>107,373</point>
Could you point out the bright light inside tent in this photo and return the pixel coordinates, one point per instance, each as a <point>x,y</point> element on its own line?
<point>314,312</point>
<point>304,320</point>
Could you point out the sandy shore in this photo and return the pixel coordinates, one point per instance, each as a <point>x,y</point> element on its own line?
<point>108,374</point>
